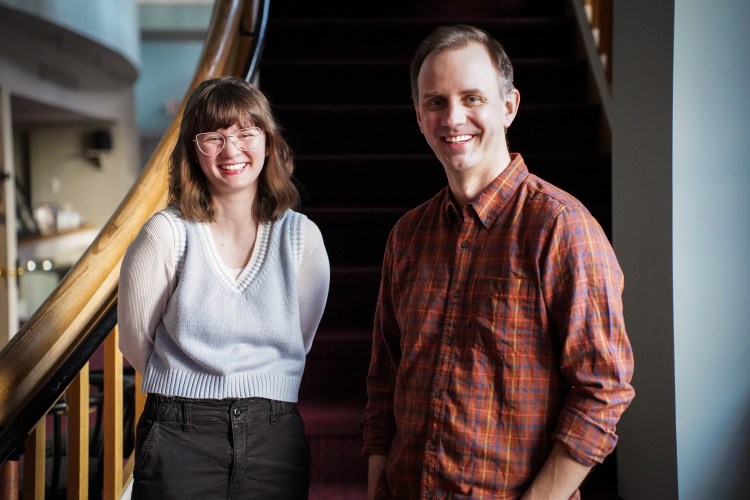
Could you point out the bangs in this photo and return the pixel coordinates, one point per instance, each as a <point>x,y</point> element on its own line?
<point>224,109</point>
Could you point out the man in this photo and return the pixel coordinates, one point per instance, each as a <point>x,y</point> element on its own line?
<point>500,363</point>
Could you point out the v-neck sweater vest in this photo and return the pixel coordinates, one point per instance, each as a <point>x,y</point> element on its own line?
<point>222,337</point>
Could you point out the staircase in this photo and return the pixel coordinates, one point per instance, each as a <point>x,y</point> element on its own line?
<point>336,72</point>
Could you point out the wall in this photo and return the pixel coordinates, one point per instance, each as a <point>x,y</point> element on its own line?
<point>680,177</point>
<point>711,182</point>
<point>64,177</point>
<point>173,33</point>
<point>109,22</point>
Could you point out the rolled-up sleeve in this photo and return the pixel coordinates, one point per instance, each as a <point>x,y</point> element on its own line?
<point>582,284</point>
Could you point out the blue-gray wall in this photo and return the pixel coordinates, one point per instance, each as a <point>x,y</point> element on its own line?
<point>711,186</point>
<point>681,178</point>
<point>109,22</point>
<point>172,40</point>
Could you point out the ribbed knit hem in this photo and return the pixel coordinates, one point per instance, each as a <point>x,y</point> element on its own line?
<point>192,385</point>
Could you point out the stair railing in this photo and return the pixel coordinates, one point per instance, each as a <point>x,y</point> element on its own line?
<point>594,19</point>
<point>49,355</point>
<point>599,13</point>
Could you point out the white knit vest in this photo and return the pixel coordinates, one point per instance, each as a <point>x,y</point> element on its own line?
<point>226,338</point>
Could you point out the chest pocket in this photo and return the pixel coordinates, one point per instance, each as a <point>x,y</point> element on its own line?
<point>506,318</point>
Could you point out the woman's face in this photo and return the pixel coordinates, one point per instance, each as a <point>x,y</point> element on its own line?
<point>233,169</point>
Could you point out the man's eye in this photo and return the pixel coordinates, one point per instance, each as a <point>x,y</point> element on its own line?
<point>435,102</point>
<point>213,139</point>
<point>473,99</point>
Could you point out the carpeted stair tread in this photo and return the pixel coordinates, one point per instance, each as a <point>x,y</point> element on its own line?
<point>318,77</point>
<point>560,128</point>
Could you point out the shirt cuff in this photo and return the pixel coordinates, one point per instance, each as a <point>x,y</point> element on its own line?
<point>586,442</point>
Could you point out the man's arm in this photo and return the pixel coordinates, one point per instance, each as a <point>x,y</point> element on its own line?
<point>559,478</point>
<point>375,471</point>
<point>582,284</point>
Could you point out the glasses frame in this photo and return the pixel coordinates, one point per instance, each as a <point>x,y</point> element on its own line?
<point>226,137</point>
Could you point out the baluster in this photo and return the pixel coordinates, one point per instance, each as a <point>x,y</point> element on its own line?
<point>78,436</point>
<point>34,460</point>
<point>112,417</point>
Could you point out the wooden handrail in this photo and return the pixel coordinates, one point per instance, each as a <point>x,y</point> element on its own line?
<point>87,294</point>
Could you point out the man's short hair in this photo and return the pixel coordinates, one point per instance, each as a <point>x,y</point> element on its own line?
<point>458,37</point>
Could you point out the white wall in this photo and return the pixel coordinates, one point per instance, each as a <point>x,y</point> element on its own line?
<point>681,227</point>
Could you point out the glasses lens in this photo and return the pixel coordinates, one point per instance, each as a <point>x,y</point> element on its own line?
<point>212,143</point>
<point>209,143</point>
<point>248,138</point>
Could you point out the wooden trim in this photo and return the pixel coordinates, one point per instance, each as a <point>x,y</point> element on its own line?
<point>78,436</point>
<point>34,461</point>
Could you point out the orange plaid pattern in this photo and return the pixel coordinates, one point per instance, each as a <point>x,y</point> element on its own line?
<point>498,330</point>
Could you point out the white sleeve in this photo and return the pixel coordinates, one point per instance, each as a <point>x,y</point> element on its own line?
<point>147,279</point>
<point>314,279</point>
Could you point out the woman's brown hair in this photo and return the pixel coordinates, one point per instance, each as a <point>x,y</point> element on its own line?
<point>216,104</point>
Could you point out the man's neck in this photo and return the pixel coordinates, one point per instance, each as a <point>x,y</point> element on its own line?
<point>466,186</point>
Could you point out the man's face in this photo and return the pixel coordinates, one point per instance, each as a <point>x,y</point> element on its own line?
<point>462,113</point>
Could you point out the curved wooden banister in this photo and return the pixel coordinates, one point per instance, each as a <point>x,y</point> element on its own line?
<point>68,316</point>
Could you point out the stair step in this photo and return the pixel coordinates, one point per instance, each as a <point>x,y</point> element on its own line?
<point>376,129</point>
<point>351,298</point>
<point>336,366</point>
<point>319,81</point>
<point>362,38</point>
<point>368,180</point>
<point>335,441</point>
<point>355,236</point>
<point>338,491</point>
<point>372,180</point>
<point>421,8</point>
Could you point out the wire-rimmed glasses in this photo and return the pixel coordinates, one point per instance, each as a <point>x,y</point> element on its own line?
<point>213,143</point>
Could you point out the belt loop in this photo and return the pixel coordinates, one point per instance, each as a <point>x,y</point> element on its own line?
<point>186,415</point>
<point>273,410</point>
<point>153,406</point>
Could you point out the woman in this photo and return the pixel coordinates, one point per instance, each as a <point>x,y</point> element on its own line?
<point>219,300</point>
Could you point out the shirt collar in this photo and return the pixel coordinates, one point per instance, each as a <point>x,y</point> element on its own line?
<point>491,201</point>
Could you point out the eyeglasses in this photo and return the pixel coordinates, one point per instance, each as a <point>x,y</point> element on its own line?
<point>212,143</point>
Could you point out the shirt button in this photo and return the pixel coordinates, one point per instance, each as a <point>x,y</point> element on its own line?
<point>456,294</point>
<point>464,244</point>
<point>438,393</point>
<point>428,495</point>
<point>448,341</point>
<point>432,447</point>
<point>487,220</point>
<point>236,412</point>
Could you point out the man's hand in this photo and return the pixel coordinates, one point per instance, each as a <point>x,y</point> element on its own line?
<point>375,471</point>
<point>559,478</point>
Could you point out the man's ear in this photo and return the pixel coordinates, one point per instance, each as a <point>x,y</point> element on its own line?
<point>510,106</point>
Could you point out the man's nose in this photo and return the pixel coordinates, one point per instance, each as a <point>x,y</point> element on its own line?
<point>455,115</point>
